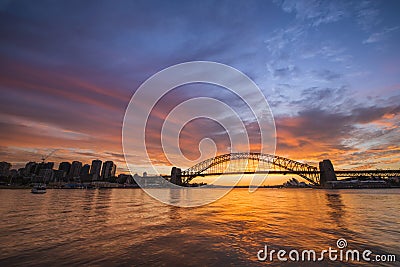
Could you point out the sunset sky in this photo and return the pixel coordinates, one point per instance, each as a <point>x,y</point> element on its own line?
<point>330,71</point>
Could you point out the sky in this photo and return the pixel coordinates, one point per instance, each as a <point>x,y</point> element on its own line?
<point>330,71</point>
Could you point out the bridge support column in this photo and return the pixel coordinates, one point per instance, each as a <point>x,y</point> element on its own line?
<point>176,177</point>
<point>326,171</point>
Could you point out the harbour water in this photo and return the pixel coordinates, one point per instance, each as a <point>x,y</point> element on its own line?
<point>126,227</point>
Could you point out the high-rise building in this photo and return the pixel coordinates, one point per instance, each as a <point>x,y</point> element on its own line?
<point>30,168</point>
<point>65,167</point>
<point>21,171</point>
<point>4,168</point>
<point>43,166</point>
<point>84,175</point>
<point>59,176</point>
<point>85,170</point>
<point>49,165</point>
<point>95,169</point>
<point>46,175</point>
<point>75,170</point>
<point>13,173</point>
<point>108,170</point>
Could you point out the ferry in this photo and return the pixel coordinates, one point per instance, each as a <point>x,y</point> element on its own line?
<point>39,189</point>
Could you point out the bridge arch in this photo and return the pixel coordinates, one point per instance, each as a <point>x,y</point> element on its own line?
<point>209,166</point>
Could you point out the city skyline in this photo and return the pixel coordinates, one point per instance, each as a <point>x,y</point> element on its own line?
<point>75,169</point>
<point>330,71</point>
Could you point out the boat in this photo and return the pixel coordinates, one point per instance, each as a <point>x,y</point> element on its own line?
<point>39,189</point>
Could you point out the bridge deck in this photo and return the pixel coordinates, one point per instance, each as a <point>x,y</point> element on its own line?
<point>340,173</point>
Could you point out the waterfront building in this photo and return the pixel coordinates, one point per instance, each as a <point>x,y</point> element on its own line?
<point>75,171</point>
<point>84,174</point>
<point>108,170</point>
<point>85,170</point>
<point>42,166</point>
<point>125,179</point>
<point>5,168</point>
<point>30,168</point>
<point>45,175</point>
<point>59,175</point>
<point>65,167</point>
<point>95,169</point>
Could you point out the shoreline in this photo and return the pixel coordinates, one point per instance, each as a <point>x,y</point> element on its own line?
<point>13,187</point>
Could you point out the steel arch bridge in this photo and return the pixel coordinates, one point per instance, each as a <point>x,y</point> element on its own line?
<point>250,163</point>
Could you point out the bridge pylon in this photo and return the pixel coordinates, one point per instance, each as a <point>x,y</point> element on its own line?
<point>326,172</point>
<point>176,176</point>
